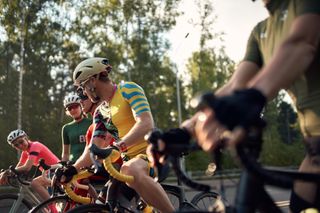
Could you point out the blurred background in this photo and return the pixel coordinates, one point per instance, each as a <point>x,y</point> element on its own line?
<point>172,48</point>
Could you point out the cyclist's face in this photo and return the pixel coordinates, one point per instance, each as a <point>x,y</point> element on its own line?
<point>20,143</point>
<point>86,105</point>
<point>88,88</point>
<point>74,110</point>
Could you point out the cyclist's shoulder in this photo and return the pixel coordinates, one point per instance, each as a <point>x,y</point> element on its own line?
<point>36,144</point>
<point>69,125</point>
<point>126,85</point>
<point>87,120</point>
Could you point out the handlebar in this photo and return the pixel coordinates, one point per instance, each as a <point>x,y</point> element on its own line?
<point>18,176</point>
<point>74,181</point>
<point>249,149</point>
<point>109,156</point>
<point>173,153</point>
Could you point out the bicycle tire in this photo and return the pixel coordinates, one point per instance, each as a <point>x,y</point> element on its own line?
<point>90,208</point>
<point>61,203</point>
<point>174,194</point>
<point>205,200</point>
<point>8,200</point>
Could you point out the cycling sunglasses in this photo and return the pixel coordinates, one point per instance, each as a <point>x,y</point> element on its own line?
<point>18,142</point>
<point>73,106</point>
<point>81,95</point>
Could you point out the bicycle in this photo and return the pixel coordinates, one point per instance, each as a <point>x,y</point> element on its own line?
<point>63,202</point>
<point>133,203</point>
<point>251,194</point>
<point>25,199</point>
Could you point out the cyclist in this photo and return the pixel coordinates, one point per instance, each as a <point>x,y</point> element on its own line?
<point>32,151</point>
<point>125,114</point>
<point>73,133</point>
<point>282,53</point>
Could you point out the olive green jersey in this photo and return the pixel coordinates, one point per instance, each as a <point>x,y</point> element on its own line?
<point>74,134</point>
<point>266,37</point>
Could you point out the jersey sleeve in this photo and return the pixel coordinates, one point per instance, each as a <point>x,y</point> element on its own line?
<point>34,152</point>
<point>136,97</point>
<point>23,158</point>
<point>64,136</point>
<point>253,52</point>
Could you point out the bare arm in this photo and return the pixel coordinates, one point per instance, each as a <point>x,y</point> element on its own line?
<point>84,159</point>
<point>144,124</point>
<point>292,58</point>
<point>245,71</point>
<point>26,167</point>
<point>65,152</point>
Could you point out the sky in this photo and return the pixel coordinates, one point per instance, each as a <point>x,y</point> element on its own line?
<point>235,18</point>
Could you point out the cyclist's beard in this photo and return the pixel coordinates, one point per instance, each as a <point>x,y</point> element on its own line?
<point>94,97</point>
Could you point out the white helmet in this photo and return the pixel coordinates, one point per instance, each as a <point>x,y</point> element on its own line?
<point>71,99</point>
<point>90,67</point>
<point>14,135</point>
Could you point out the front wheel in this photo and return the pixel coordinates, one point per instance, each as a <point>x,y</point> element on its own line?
<point>12,203</point>
<point>205,200</point>
<point>90,208</point>
<point>58,204</point>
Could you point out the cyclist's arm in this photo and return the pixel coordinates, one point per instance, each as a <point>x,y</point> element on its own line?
<point>292,58</point>
<point>65,152</point>
<point>245,71</point>
<point>84,160</point>
<point>144,124</point>
<point>26,167</point>
<point>65,145</point>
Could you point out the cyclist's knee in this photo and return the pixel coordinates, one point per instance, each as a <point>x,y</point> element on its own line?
<point>133,167</point>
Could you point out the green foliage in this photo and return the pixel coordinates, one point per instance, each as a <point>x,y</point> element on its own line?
<point>57,36</point>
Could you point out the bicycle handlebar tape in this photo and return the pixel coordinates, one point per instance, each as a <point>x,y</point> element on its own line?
<point>70,192</point>
<point>112,171</point>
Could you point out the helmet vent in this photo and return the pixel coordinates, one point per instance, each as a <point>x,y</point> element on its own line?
<point>105,61</point>
<point>78,74</point>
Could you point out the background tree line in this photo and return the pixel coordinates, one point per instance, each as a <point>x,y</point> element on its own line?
<point>58,34</point>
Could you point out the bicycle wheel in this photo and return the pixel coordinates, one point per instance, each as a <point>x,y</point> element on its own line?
<point>173,193</point>
<point>204,200</point>
<point>90,208</point>
<point>58,204</point>
<point>11,203</point>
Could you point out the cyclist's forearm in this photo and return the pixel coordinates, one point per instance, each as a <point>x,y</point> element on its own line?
<point>245,71</point>
<point>84,160</point>
<point>143,125</point>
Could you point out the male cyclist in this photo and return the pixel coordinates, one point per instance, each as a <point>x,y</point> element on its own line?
<point>282,53</point>
<point>73,133</point>
<point>126,115</point>
<point>32,152</point>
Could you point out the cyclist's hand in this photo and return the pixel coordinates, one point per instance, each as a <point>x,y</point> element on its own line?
<point>153,156</point>
<point>242,108</point>
<point>68,173</point>
<point>4,177</point>
<point>208,131</point>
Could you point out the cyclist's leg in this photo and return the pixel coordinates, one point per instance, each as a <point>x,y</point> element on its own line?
<point>307,195</point>
<point>145,186</point>
<point>40,185</point>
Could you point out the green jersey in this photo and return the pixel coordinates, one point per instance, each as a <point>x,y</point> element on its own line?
<point>266,37</point>
<point>74,134</point>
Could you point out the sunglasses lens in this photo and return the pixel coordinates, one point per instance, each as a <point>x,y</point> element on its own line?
<point>69,108</point>
<point>81,95</point>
